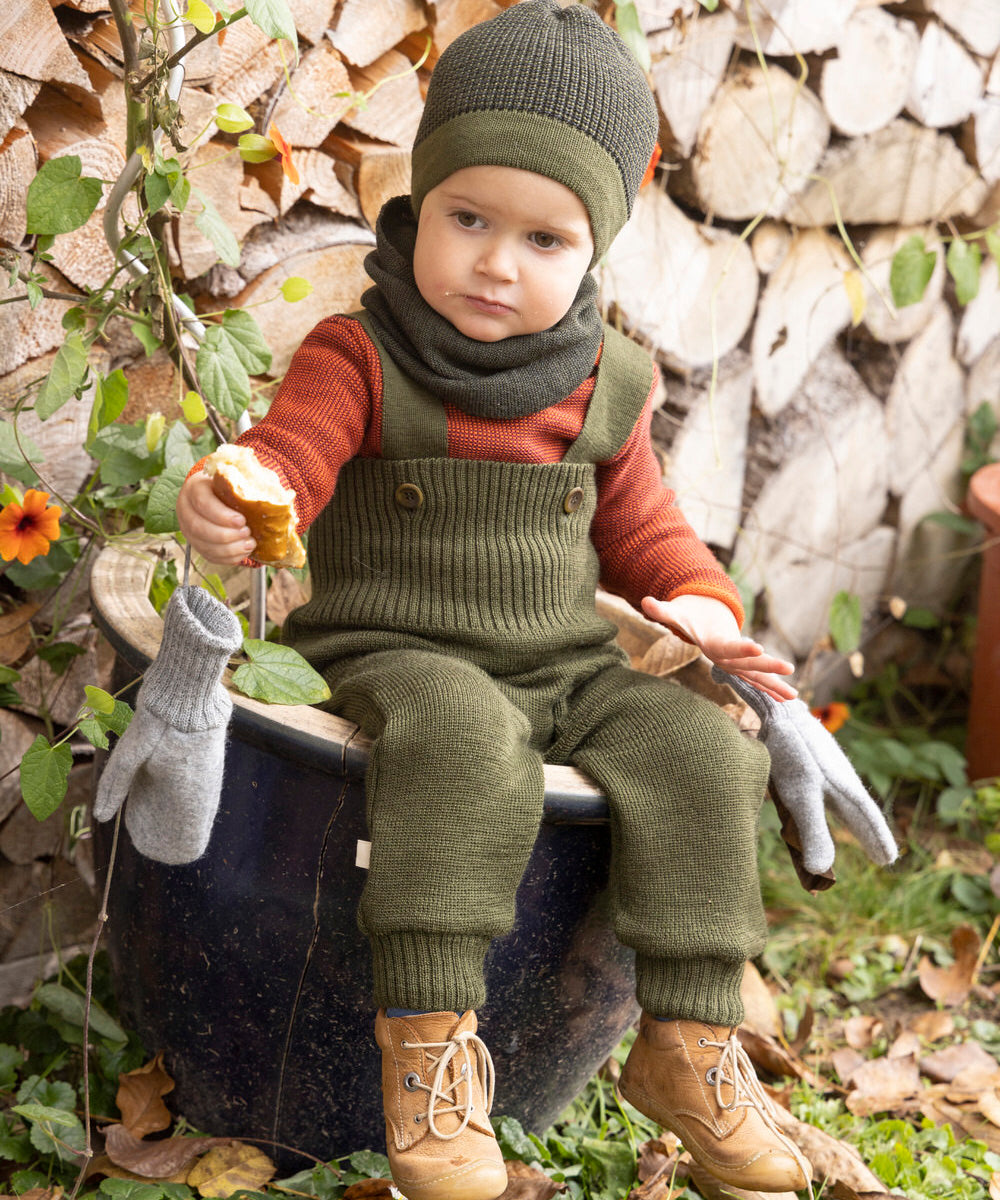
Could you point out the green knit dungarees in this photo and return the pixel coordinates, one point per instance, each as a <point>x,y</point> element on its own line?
<point>453,618</point>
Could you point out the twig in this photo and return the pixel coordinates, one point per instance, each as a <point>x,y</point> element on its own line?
<point>88,1152</point>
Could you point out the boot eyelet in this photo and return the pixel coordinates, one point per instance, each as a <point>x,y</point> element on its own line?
<point>405,1045</point>
<point>410,1081</point>
<point>417,1119</point>
<point>701,1042</point>
<point>712,1075</point>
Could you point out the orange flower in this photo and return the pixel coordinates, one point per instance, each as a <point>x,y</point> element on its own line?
<point>648,177</point>
<point>284,153</point>
<point>834,716</point>
<point>27,530</point>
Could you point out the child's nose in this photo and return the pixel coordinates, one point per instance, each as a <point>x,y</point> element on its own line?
<point>497,260</point>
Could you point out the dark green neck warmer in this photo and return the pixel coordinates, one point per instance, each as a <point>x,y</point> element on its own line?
<point>498,380</point>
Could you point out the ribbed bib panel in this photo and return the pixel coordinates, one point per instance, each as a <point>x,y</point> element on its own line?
<point>495,560</point>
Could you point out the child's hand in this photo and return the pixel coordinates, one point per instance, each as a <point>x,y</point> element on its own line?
<point>711,626</point>
<point>218,533</point>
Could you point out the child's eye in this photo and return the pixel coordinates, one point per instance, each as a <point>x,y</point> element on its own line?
<point>546,241</point>
<point>467,220</point>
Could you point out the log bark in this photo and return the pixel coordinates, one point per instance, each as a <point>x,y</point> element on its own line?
<point>905,323</point>
<point>382,174</point>
<point>249,64</point>
<point>452,17</point>
<point>688,290</point>
<point>759,140</point>
<point>976,22</point>
<point>866,85</point>
<point>32,45</point>
<point>16,93</point>
<point>803,307</point>
<point>769,244</point>
<point>947,81</point>
<point>27,333</point>
<point>903,174</point>
<point>367,29</point>
<point>18,163</point>
<point>338,278</point>
<point>312,18</point>
<point>318,96</point>
<point>393,107</point>
<point>688,66</point>
<point>791,26</point>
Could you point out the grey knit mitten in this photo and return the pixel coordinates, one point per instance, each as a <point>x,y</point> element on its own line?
<point>169,760</point>
<point>810,771</point>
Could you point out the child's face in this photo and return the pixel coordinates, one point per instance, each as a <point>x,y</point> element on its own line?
<point>501,251</point>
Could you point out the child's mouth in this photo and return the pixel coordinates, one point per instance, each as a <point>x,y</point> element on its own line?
<point>485,305</point>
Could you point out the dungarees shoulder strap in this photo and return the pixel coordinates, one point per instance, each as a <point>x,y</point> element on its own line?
<point>414,423</point>
<point>624,378</point>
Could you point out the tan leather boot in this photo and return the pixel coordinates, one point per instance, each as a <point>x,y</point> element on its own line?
<point>697,1081</point>
<point>437,1091</point>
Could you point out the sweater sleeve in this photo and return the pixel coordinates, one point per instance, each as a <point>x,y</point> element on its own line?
<point>645,544</point>
<point>320,414</point>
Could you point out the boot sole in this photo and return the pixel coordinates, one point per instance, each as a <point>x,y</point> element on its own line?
<point>477,1181</point>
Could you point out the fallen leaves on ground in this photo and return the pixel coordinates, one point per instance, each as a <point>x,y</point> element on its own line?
<point>951,985</point>
<point>230,1168</point>
<point>528,1183</point>
<point>140,1098</point>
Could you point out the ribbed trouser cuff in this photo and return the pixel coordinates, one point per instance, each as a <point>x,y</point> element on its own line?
<point>690,989</point>
<point>428,972</point>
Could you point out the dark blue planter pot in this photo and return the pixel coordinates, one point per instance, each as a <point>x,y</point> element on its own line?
<point>247,968</point>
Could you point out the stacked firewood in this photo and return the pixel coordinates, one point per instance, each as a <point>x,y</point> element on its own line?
<point>809,426</point>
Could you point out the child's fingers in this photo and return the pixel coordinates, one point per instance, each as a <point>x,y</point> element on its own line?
<point>770,684</point>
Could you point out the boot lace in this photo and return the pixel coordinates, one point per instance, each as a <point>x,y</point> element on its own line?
<point>442,1097</point>
<point>736,1069</point>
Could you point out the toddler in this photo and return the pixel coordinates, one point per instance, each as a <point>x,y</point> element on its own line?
<point>471,456</point>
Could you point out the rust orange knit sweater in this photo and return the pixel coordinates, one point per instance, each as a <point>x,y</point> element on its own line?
<point>328,409</point>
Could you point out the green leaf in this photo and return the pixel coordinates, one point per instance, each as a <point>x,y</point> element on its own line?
<point>217,231</point>
<point>278,675</point>
<point>157,189</point>
<point>150,342</point>
<point>845,622</point>
<point>12,461</point>
<point>247,340</point>
<point>70,1006</point>
<point>631,32</point>
<point>59,200</point>
<point>274,17</point>
<point>69,368</point>
<point>953,521</point>
<point>98,699</point>
<point>118,719</point>
<point>255,148</point>
<point>230,118</point>
<point>161,511</point>
<point>11,1063</point>
<point>43,1112</point>
<point>710,5</point>
<point>44,776</point>
<point>110,398</point>
<point>911,270</point>
<point>224,379</point>
<point>59,655</point>
<point>67,1140</point>
<point>121,450</point>
<point>295,288</point>
<point>92,730</point>
<point>963,261</point>
<point>993,243</point>
<point>370,1164</point>
<point>513,1141</point>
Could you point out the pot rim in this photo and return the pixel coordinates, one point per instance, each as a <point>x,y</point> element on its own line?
<point>119,591</point>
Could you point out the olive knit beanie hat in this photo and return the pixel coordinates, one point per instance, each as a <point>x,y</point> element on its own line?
<point>546,89</point>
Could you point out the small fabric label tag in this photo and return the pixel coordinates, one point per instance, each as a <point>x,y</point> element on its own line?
<point>364,854</point>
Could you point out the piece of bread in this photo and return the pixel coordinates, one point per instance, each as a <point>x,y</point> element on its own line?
<point>244,483</point>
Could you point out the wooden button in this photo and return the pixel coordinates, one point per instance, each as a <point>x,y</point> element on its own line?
<point>408,495</point>
<point>573,499</point>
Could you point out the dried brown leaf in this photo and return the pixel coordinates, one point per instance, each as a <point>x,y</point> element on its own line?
<point>761,1013</point>
<point>15,634</point>
<point>284,593</point>
<point>525,1182</point>
<point>951,985</point>
<point>140,1101</point>
<point>839,1163</point>
<point>229,1168</point>
<point>933,1026</point>
<point>944,1066</point>
<point>775,1059</point>
<point>369,1189</point>
<point>161,1159</point>
<point>907,1045</point>
<point>658,1170</point>
<point>989,1106</point>
<point>845,1062</point>
<point>655,1154</point>
<point>860,1032</point>
<point>882,1085</point>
